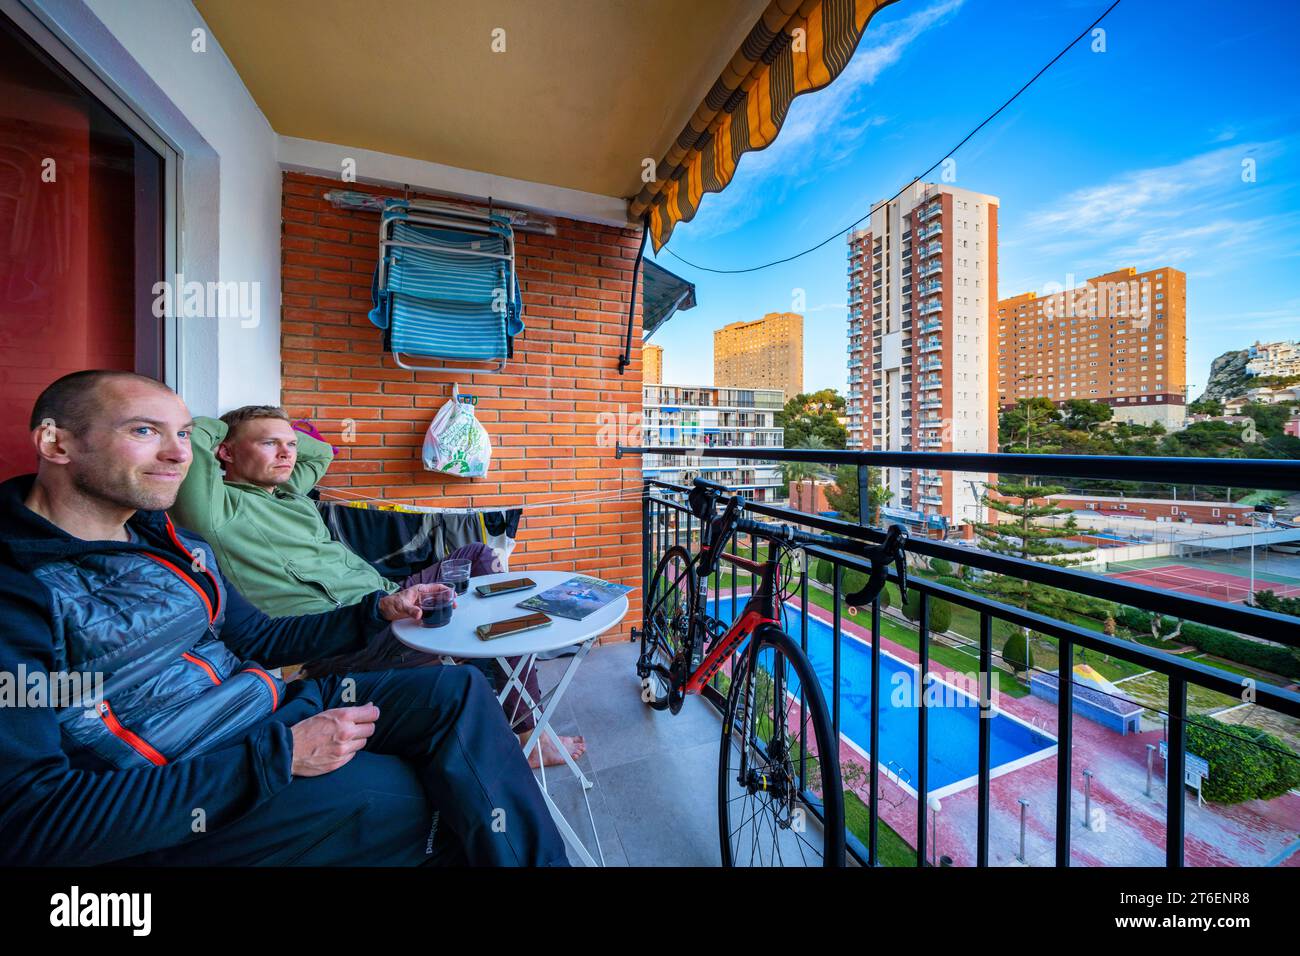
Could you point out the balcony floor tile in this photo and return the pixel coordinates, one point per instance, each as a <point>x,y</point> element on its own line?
<point>655,796</point>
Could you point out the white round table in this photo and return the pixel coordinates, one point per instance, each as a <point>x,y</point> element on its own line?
<point>458,640</point>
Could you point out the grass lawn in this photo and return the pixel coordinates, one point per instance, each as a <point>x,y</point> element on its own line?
<point>1152,690</point>
<point>892,848</point>
<point>966,622</point>
<point>1233,668</point>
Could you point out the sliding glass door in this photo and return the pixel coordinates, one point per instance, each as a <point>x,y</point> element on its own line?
<point>85,233</point>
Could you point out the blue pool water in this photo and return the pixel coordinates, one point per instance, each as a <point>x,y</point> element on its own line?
<point>953,719</point>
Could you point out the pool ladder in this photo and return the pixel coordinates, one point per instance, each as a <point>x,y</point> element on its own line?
<point>899,774</point>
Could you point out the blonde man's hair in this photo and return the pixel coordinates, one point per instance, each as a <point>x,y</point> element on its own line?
<point>248,413</point>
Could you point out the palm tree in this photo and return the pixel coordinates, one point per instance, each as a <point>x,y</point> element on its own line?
<point>792,471</point>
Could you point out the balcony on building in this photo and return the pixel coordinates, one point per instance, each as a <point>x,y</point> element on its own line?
<point>290,224</point>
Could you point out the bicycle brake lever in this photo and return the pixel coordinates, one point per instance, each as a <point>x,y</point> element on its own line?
<point>900,565</point>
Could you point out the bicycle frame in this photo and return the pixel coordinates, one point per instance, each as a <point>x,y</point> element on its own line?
<point>760,609</point>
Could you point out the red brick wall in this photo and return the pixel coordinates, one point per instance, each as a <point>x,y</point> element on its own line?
<point>1201,512</point>
<point>549,413</point>
<point>808,496</point>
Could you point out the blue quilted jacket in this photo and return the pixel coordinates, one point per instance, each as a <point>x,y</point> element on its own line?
<point>176,707</point>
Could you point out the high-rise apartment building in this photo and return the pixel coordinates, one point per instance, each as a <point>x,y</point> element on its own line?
<point>1119,338</point>
<point>767,353</point>
<point>692,416</point>
<point>652,364</point>
<point>922,363</point>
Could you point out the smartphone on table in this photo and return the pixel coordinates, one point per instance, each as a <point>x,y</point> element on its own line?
<point>505,587</point>
<point>515,625</point>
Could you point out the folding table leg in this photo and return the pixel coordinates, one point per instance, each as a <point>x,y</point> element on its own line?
<point>542,725</point>
<point>570,836</point>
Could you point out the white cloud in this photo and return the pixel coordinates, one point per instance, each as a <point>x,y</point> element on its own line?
<point>1197,214</point>
<point>806,141</point>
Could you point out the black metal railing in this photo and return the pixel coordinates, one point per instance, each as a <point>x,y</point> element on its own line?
<point>667,520</point>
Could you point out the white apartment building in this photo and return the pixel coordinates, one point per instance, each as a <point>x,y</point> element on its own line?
<point>1274,358</point>
<point>922,359</point>
<point>703,416</point>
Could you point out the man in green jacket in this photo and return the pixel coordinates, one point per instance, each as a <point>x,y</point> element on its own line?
<point>273,545</point>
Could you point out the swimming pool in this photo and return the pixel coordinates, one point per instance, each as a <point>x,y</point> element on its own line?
<point>953,723</point>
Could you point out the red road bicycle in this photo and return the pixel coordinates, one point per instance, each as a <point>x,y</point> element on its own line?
<point>778,758</point>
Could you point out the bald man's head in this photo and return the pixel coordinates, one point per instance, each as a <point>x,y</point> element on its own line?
<point>73,401</point>
<point>117,438</point>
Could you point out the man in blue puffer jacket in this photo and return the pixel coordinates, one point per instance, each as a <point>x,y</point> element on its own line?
<point>139,724</point>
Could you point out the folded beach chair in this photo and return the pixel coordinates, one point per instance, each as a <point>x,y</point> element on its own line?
<point>445,287</point>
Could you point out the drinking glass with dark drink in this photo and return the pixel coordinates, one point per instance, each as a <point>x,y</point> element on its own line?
<point>455,573</point>
<point>435,609</point>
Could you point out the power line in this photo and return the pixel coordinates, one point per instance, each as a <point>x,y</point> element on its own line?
<point>916,179</point>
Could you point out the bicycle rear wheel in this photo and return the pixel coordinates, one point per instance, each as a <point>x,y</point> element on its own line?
<point>666,625</point>
<point>779,767</point>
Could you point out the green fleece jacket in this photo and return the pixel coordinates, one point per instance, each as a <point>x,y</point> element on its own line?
<point>272,545</point>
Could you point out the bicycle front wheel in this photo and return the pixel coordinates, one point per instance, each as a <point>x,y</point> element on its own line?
<point>780,799</point>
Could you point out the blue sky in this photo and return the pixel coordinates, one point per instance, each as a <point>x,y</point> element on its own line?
<point>1131,156</point>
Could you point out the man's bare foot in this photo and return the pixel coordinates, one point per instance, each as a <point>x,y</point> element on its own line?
<point>576,747</point>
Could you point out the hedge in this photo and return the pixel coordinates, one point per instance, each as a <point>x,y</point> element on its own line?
<point>1220,643</point>
<point>1245,764</point>
<point>1017,652</point>
<point>851,580</point>
<point>941,567</point>
<point>940,612</point>
<point>824,572</point>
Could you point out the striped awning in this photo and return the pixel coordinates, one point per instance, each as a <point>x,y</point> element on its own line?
<point>797,46</point>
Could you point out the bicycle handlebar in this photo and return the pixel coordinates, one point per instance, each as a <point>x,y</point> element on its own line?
<point>892,549</point>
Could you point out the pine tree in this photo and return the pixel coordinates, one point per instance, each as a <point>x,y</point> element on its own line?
<point>1024,502</point>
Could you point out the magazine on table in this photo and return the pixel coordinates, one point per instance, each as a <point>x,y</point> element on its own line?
<point>576,598</point>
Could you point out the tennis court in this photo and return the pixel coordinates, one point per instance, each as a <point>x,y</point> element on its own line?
<point>1201,582</point>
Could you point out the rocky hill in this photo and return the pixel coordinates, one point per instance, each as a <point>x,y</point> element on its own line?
<point>1228,377</point>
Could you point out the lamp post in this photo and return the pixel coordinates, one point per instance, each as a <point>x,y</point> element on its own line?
<point>1252,518</point>
<point>1024,806</point>
<point>935,807</point>
<point>1087,799</point>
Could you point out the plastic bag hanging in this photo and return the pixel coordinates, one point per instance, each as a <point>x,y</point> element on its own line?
<point>456,443</point>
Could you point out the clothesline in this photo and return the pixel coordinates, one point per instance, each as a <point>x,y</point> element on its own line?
<point>589,497</point>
